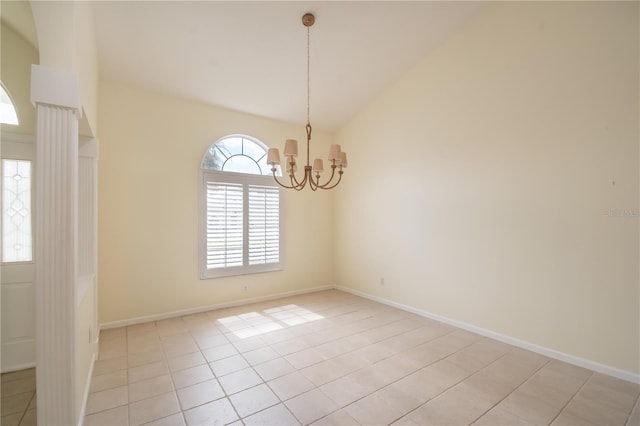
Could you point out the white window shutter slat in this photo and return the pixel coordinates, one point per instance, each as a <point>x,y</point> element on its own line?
<point>224,226</point>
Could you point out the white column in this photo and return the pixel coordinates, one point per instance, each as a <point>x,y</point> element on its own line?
<point>55,94</point>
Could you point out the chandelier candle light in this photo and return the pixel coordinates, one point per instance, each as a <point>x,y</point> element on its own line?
<point>337,158</point>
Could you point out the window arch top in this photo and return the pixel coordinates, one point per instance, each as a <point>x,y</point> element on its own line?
<point>8,113</point>
<point>237,153</point>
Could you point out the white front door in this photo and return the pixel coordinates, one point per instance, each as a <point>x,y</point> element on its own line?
<point>18,267</point>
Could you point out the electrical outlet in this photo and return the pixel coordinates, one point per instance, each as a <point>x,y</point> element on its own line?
<point>382,281</point>
<point>245,288</point>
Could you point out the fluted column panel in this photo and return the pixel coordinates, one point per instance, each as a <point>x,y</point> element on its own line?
<point>87,216</point>
<point>56,262</point>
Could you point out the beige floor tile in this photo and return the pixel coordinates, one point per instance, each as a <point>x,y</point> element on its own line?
<point>277,415</point>
<point>616,394</point>
<point>228,365</point>
<point>191,376</point>
<point>11,419</point>
<point>529,408</point>
<point>274,369</point>
<point>151,387</point>
<point>346,390</point>
<point>334,348</point>
<point>500,417</point>
<point>105,366</point>
<point>377,362</point>
<point>240,380</point>
<point>249,344</point>
<point>305,358</point>
<point>144,344</point>
<point>454,407</point>
<point>290,385</point>
<point>374,410</point>
<point>594,411</point>
<point>107,399</point>
<point>220,352</point>
<point>211,341</point>
<point>337,418</point>
<point>154,408</point>
<point>170,326</point>
<point>198,394</point>
<point>146,329</point>
<point>182,362</point>
<point>108,381</point>
<point>568,419</point>
<point>172,420</point>
<point>14,387</point>
<point>144,357</point>
<point>30,418</point>
<point>252,400</point>
<point>405,396</point>
<point>219,412</point>
<point>311,406</point>
<point>634,418</point>
<point>261,355</point>
<point>113,348</point>
<point>325,371</point>
<point>147,371</point>
<point>176,349</point>
<point>290,346</point>
<point>488,387</point>
<point>16,403</point>
<point>115,416</point>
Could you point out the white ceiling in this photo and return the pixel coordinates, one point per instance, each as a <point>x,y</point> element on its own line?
<point>251,56</point>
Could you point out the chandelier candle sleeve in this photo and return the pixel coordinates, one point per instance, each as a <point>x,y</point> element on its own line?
<point>273,156</point>
<point>334,152</point>
<point>343,159</point>
<point>291,148</point>
<point>318,165</point>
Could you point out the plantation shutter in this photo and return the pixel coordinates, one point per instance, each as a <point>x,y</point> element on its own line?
<point>224,224</point>
<point>264,225</point>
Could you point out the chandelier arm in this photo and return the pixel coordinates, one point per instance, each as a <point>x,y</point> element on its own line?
<point>278,181</point>
<point>334,185</point>
<point>333,171</point>
<point>294,178</point>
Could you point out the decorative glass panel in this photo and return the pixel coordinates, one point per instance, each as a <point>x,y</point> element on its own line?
<point>16,211</point>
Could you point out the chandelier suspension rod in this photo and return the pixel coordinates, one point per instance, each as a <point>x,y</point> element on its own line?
<point>337,158</point>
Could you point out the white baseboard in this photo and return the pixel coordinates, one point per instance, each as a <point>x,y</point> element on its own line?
<point>551,353</point>
<point>179,313</point>
<point>85,394</point>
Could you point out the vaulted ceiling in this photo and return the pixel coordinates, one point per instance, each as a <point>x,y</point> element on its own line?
<point>251,56</point>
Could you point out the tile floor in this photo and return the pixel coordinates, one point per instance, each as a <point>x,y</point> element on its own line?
<point>18,403</point>
<point>331,358</point>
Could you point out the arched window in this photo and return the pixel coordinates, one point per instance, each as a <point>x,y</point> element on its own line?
<point>240,226</point>
<point>240,154</point>
<point>8,113</point>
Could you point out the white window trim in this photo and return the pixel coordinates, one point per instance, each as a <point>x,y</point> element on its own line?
<point>245,180</point>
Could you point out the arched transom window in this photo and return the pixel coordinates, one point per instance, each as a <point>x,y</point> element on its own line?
<point>240,154</point>
<point>241,210</point>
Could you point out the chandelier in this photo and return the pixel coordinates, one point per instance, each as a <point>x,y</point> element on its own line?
<point>337,158</point>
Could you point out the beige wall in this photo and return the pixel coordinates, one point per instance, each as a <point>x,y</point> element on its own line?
<point>15,74</point>
<point>66,37</point>
<point>151,147</point>
<point>481,184</point>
